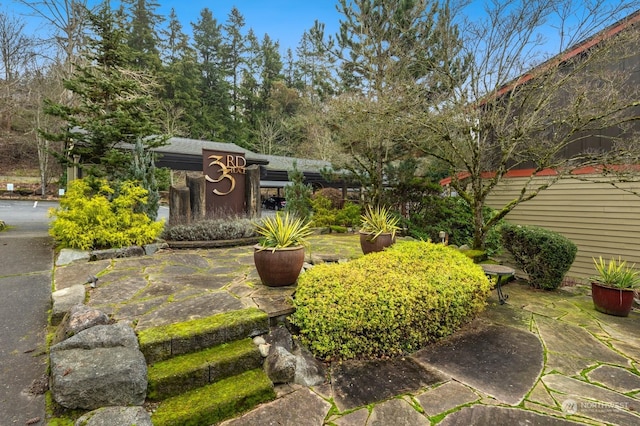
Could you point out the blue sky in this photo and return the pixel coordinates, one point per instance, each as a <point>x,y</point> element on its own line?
<point>283,20</point>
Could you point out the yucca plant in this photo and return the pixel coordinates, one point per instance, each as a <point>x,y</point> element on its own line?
<point>282,230</point>
<point>378,221</point>
<point>616,274</point>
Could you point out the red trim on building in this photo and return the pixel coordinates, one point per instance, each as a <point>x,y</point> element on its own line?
<point>589,170</point>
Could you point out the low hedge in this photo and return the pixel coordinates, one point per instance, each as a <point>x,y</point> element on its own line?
<point>211,230</point>
<point>387,303</point>
<point>544,255</point>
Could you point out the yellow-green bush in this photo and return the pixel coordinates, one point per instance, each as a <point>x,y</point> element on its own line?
<point>92,216</point>
<point>388,303</point>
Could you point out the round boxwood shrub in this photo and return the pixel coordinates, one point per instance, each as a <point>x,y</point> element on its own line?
<point>546,256</point>
<point>387,303</point>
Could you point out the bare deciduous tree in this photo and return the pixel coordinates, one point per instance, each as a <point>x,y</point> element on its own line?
<point>16,50</point>
<point>516,111</point>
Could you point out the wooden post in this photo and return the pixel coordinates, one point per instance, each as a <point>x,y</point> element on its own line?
<point>252,191</point>
<point>179,205</point>
<point>196,185</point>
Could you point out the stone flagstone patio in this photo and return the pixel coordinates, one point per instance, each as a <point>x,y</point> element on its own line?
<point>541,358</point>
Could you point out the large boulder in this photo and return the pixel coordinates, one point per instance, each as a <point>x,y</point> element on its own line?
<point>111,416</point>
<point>280,365</point>
<point>80,317</point>
<point>287,362</point>
<point>98,367</point>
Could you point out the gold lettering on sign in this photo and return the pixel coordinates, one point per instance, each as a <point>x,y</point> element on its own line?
<point>224,174</point>
<point>235,164</point>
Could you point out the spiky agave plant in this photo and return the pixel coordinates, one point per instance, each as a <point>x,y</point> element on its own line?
<point>378,220</point>
<point>282,230</point>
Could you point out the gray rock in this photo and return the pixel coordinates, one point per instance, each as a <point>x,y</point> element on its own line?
<point>395,412</point>
<point>67,256</point>
<point>80,317</point>
<point>302,407</point>
<point>280,337</point>
<point>309,371</point>
<point>280,365</point>
<point>150,249</point>
<point>101,336</point>
<point>115,416</point>
<point>116,253</point>
<point>90,379</point>
<point>64,300</point>
<point>264,349</point>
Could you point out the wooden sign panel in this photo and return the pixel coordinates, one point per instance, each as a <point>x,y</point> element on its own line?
<point>224,173</point>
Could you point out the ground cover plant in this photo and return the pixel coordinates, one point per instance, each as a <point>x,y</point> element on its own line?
<point>387,303</point>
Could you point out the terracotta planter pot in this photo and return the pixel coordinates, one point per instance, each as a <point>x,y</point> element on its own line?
<point>612,301</point>
<point>368,245</point>
<point>280,267</point>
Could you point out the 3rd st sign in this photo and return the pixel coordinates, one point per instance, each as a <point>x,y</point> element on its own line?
<point>225,181</point>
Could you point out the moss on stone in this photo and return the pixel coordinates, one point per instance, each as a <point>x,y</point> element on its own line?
<point>158,343</point>
<point>213,403</point>
<point>185,372</point>
<point>198,326</point>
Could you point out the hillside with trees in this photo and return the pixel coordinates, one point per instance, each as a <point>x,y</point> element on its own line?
<point>405,93</point>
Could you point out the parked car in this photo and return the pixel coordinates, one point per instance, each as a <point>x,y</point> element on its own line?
<point>274,203</point>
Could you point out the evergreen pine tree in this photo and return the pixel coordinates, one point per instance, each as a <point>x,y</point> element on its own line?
<point>298,194</point>
<point>113,105</point>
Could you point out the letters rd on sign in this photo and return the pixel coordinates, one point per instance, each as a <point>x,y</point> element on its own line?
<point>224,173</point>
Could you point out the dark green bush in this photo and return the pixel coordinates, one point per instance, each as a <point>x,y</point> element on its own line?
<point>210,230</point>
<point>387,303</point>
<point>325,215</point>
<point>452,215</point>
<point>544,255</point>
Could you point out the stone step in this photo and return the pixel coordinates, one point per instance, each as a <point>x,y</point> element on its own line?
<point>163,342</point>
<point>186,372</point>
<point>213,403</point>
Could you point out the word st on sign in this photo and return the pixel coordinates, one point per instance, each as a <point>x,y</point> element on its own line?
<point>224,173</point>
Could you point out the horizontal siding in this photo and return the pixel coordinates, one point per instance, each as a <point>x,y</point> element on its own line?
<point>600,219</point>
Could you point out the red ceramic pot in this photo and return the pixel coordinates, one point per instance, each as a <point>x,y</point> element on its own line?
<point>612,301</point>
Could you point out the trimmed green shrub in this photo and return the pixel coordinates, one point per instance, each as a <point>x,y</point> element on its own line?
<point>334,195</point>
<point>92,217</point>
<point>544,255</point>
<point>211,230</point>
<point>387,303</point>
<point>325,215</point>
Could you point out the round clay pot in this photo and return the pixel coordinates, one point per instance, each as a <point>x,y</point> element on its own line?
<point>612,301</point>
<point>368,245</point>
<point>280,267</point>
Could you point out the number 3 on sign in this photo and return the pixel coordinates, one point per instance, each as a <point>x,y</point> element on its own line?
<point>224,174</point>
